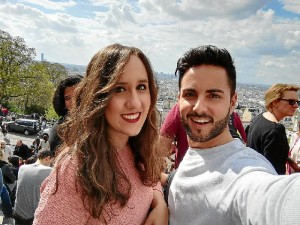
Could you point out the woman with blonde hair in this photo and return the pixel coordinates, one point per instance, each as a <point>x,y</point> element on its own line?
<point>108,168</point>
<point>265,134</point>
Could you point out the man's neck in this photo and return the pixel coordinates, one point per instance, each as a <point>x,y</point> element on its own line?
<point>40,162</point>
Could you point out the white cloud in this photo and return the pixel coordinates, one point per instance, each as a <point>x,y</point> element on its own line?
<point>280,69</point>
<point>195,9</point>
<point>118,14</point>
<point>164,30</point>
<point>291,5</point>
<point>53,5</point>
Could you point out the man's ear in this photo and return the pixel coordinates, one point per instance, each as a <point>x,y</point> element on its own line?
<point>233,102</point>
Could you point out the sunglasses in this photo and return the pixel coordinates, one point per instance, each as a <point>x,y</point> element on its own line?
<point>291,101</point>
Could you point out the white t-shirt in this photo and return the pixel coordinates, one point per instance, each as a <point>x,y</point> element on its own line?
<point>45,145</point>
<point>232,184</point>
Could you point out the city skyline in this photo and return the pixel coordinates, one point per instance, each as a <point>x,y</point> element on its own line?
<point>261,35</point>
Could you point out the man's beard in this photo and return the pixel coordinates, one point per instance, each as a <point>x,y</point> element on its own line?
<point>218,128</point>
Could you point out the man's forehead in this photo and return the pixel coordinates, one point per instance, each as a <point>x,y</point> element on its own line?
<point>200,80</point>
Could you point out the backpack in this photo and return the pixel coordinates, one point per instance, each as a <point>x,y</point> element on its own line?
<point>166,187</point>
<point>232,129</point>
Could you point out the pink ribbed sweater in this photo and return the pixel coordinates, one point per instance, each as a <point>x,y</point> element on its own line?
<point>65,207</point>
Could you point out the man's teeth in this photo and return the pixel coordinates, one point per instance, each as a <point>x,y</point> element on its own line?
<point>199,120</point>
<point>131,117</point>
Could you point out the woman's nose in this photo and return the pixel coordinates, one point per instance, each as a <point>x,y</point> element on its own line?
<point>134,100</point>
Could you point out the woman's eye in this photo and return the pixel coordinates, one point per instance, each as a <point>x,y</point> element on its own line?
<point>119,89</point>
<point>142,87</point>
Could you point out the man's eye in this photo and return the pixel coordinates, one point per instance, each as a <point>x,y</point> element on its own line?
<point>119,89</point>
<point>142,87</point>
<point>214,96</point>
<point>189,94</point>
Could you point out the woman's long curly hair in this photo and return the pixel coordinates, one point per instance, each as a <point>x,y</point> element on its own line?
<point>85,133</point>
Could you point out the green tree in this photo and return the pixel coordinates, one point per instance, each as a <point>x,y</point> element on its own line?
<point>14,56</point>
<point>37,89</point>
<point>26,85</point>
<point>51,114</point>
<point>56,71</point>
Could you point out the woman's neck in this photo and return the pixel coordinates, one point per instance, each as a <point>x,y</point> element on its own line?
<point>271,115</point>
<point>119,145</point>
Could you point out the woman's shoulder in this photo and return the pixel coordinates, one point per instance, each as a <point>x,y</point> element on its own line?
<point>64,173</point>
<point>67,164</point>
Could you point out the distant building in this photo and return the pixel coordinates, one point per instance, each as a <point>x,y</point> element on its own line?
<point>42,57</point>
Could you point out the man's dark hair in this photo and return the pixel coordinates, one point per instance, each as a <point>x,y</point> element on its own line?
<point>58,98</point>
<point>43,153</point>
<point>207,55</point>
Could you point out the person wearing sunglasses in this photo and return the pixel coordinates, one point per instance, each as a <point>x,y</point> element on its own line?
<point>265,134</point>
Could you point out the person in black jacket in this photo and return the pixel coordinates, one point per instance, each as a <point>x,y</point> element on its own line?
<point>62,104</point>
<point>265,134</point>
<point>22,150</point>
<point>6,194</point>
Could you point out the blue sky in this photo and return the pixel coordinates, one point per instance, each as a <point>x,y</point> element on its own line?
<point>263,36</point>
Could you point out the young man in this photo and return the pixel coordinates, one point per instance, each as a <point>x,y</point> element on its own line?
<point>220,180</point>
<point>30,178</point>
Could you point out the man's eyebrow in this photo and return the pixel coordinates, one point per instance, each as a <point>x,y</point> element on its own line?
<point>215,90</point>
<point>188,89</point>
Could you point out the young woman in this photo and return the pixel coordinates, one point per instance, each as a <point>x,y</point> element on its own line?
<point>62,104</point>
<point>108,169</point>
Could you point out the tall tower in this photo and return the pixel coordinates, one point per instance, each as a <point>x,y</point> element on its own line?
<point>42,57</point>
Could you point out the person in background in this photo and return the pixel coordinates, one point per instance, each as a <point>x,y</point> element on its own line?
<point>8,177</point>
<point>44,124</point>
<point>28,188</point>
<point>265,134</point>
<point>4,129</point>
<point>62,104</point>
<point>6,150</point>
<point>15,162</point>
<point>45,144</point>
<point>32,159</point>
<point>22,150</point>
<point>294,152</point>
<point>220,180</point>
<point>236,127</point>
<point>1,187</point>
<point>108,168</point>
<point>172,134</point>
<point>36,144</point>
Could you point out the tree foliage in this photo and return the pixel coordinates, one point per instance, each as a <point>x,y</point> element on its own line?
<point>14,55</point>
<point>26,84</point>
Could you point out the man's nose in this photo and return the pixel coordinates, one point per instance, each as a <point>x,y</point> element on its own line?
<point>200,106</point>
